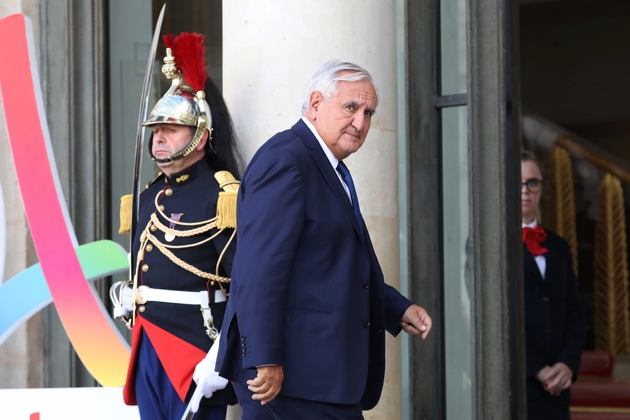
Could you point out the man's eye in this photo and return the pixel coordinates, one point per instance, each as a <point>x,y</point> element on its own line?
<point>351,107</point>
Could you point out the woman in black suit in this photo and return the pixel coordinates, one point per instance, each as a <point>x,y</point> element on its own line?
<point>554,314</point>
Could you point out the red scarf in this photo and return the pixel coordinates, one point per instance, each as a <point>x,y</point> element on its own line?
<point>532,238</point>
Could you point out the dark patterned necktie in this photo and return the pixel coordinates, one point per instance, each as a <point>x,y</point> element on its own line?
<point>345,174</point>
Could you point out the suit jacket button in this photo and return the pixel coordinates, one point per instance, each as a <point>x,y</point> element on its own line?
<point>366,323</point>
<point>545,299</point>
<point>366,285</point>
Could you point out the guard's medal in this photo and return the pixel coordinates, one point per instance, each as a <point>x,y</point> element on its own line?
<point>175,217</point>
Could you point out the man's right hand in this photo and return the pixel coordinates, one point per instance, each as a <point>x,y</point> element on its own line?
<point>122,299</point>
<point>127,298</point>
<point>267,384</point>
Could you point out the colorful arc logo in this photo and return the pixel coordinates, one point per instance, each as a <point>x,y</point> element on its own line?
<point>64,267</point>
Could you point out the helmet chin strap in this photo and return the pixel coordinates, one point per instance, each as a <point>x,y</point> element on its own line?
<point>166,160</point>
<point>178,155</point>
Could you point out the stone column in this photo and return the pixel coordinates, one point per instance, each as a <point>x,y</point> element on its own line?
<point>21,355</point>
<point>270,51</point>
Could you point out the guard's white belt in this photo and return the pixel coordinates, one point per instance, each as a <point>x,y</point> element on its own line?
<point>149,294</point>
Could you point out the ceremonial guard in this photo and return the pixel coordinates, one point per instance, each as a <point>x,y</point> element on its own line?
<point>183,247</point>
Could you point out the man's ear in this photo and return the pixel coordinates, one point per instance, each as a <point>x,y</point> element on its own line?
<point>315,100</point>
<point>203,141</point>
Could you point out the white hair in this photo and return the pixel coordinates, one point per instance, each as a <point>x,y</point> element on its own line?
<point>326,79</point>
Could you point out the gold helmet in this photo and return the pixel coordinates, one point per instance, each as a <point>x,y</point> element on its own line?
<point>184,103</point>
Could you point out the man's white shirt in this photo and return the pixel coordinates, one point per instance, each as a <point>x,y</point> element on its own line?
<point>329,154</point>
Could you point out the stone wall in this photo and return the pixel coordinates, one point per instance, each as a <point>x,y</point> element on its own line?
<point>270,51</point>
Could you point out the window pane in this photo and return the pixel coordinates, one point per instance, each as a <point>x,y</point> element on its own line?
<point>130,31</point>
<point>453,46</point>
<point>457,274</point>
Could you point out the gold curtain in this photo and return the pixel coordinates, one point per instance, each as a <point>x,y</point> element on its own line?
<point>559,200</point>
<point>612,316</point>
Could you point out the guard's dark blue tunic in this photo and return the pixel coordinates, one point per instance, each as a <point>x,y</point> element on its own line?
<point>189,196</point>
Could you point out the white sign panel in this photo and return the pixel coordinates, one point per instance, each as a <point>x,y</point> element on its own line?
<point>65,404</point>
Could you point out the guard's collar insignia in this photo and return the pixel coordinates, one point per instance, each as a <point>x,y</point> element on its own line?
<point>189,174</point>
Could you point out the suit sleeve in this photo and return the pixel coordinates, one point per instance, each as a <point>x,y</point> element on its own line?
<point>575,331</point>
<point>270,222</point>
<point>394,303</point>
<point>395,306</point>
<point>535,361</point>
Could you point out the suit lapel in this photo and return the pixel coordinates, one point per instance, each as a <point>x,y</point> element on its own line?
<point>326,169</point>
<point>550,257</point>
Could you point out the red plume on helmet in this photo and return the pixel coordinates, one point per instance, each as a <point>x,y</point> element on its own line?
<point>168,41</point>
<point>190,58</point>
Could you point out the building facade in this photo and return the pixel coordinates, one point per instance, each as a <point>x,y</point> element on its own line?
<point>437,177</point>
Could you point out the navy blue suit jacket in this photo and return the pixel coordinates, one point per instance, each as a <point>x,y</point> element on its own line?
<point>555,326</point>
<point>307,291</point>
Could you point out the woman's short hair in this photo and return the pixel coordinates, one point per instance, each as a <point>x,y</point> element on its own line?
<point>527,156</point>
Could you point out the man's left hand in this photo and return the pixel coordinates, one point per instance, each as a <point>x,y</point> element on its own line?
<point>267,384</point>
<point>416,321</point>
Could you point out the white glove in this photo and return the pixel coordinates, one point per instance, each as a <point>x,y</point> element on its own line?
<point>125,307</point>
<point>208,381</point>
